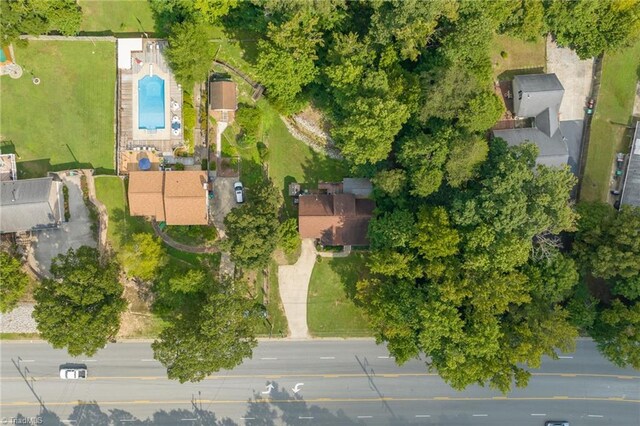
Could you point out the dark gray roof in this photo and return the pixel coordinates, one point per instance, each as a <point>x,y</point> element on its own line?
<point>631,187</point>
<point>535,93</point>
<point>30,204</point>
<point>359,187</point>
<point>553,152</point>
<point>538,82</point>
<point>547,121</point>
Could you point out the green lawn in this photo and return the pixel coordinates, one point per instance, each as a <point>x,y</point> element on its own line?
<point>612,113</point>
<point>117,16</point>
<point>111,191</point>
<point>526,57</point>
<point>193,235</point>
<point>331,309</point>
<point>67,121</point>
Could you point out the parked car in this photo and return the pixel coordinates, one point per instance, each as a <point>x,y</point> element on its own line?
<point>239,190</point>
<point>590,104</point>
<point>556,423</point>
<point>73,371</point>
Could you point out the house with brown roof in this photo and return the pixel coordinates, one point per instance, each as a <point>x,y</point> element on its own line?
<point>174,197</point>
<point>335,219</point>
<point>223,100</point>
<point>146,194</point>
<point>185,198</point>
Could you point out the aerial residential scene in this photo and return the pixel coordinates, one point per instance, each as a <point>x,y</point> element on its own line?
<point>320,212</point>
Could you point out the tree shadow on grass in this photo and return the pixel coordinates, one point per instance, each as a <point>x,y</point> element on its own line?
<point>321,168</point>
<point>246,24</point>
<point>349,271</point>
<point>509,74</point>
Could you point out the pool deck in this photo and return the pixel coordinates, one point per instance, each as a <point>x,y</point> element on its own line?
<point>129,135</point>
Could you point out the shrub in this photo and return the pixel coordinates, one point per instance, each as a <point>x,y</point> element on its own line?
<point>263,151</point>
<point>288,237</point>
<point>65,195</point>
<point>250,119</point>
<point>178,166</point>
<point>504,54</point>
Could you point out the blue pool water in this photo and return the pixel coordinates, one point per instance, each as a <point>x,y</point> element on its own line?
<point>151,103</point>
<point>2,56</point>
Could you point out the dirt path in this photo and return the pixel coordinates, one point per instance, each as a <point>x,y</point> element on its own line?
<point>103,216</point>
<point>179,246</point>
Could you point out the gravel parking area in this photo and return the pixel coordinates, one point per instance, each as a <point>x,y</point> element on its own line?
<point>223,200</point>
<point>575,75</point>
<point>73,234</point>
<point>19,320</point>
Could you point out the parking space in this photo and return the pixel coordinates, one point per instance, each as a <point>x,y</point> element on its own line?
<point>575,75</point>
<point>73,234</point>
<point>223,200</point>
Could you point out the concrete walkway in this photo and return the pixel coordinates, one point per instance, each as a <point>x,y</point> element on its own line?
<point>293,281</point>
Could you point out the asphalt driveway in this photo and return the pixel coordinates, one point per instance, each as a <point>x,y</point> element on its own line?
<point>72,234</point>
<point>223,200</point>
<point>575,75</point>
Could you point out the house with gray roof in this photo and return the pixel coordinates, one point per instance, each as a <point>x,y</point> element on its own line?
<point>538,96</point>
<point>30,204</point>
<point>631,187</point>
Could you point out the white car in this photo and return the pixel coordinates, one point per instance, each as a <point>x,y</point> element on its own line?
<point>239,190</point>
<point>73,372</point>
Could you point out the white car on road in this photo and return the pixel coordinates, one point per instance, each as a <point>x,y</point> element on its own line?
<point>73,372</point>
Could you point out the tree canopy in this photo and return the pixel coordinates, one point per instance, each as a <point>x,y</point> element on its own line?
<point>216,332</point>
<point>14,282</point>
<point>607,248</point>
<point>190,53</point>
<point>79,308</point>
<point>252,229</point>
<point>143,256</point>
<point>36,17</point>
<point>458,283</point>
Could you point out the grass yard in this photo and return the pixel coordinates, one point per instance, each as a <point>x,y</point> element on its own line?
<point>523,56</point>
<point>117,16</point>
<point>331,310</point>
<point>111,191</point>
<point>608,127</point>
<point>67,121</point>
<point>193,235</point>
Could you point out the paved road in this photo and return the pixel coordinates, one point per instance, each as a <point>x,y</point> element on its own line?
<point>345,383</point>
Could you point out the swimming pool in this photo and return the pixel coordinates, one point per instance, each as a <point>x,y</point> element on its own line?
<point>151,103</point>
<point>3,57</point>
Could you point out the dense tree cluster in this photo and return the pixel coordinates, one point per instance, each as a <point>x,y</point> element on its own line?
<point>13,281</point>
<point>456,279</point>
<point>607,247</point>
<point>252,229</point>
<point>79,308</point>
<point>35,17</point>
